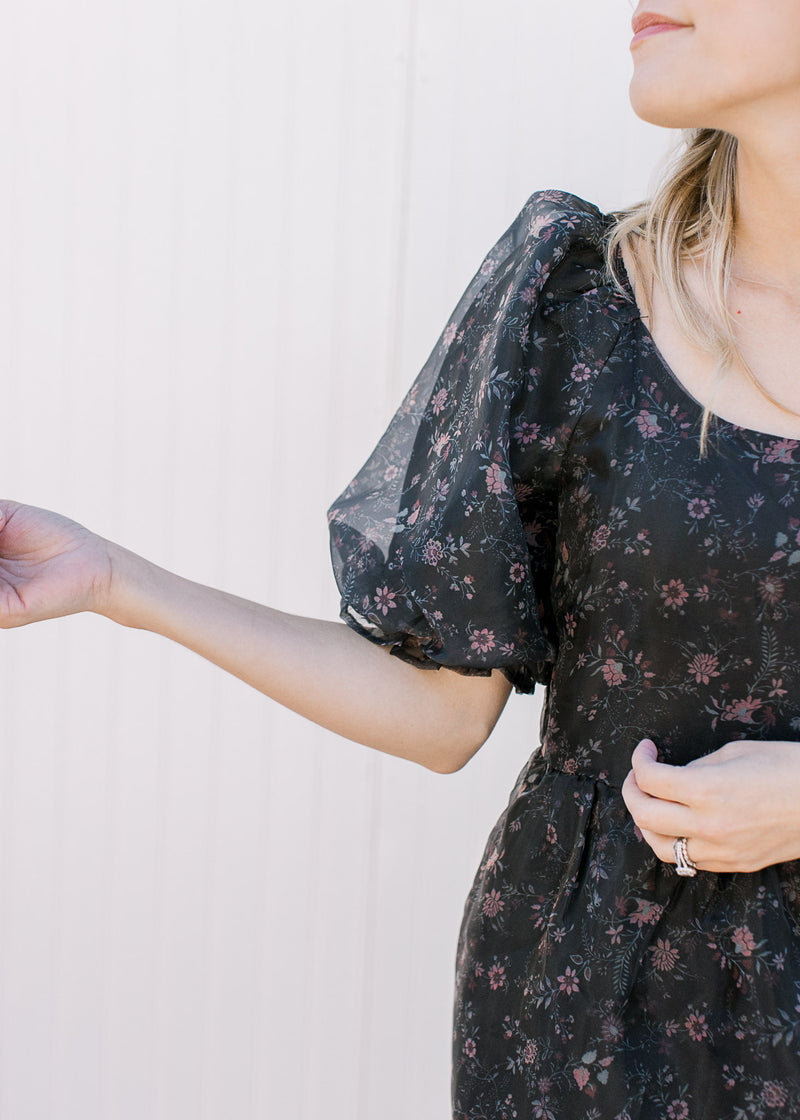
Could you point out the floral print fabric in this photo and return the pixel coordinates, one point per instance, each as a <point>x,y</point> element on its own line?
<point>538,505</point>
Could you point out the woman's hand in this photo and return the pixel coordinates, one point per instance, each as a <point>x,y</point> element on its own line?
<point>49,566</point>
<point>739,807</point>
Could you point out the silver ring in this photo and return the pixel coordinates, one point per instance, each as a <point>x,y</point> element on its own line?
<point>683,865</point>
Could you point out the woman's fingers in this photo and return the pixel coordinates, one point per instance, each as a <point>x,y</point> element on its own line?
<point>696,849</point>
<point>737,806</point>
<point>666,818</point>
<point>669,783</point>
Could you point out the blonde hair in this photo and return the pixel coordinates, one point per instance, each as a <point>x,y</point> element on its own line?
<point>690,216</point>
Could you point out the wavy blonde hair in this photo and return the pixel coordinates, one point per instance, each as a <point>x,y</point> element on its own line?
<point>690,216</point>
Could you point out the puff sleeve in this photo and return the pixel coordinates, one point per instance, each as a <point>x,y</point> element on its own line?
<point>442,545</point>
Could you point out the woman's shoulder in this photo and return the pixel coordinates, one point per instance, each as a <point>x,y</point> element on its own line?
<point>562,208</point>
<point>553,223</point>
<point>561,241</point>
<point>565,238</point>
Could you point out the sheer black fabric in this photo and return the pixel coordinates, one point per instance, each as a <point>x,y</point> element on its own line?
<point>539,505</point>
<point>442,545</point>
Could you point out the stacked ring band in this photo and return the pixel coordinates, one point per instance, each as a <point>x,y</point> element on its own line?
<point>683,865</point>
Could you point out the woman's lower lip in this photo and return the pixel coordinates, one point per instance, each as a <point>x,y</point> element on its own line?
<point>655,29</point>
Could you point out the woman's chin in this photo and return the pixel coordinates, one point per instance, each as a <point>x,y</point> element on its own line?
<point>656,103</point>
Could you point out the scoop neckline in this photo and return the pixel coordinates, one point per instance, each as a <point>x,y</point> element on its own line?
<point>716,422</point>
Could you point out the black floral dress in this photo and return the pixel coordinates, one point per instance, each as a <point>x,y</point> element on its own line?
<point>538,505</point>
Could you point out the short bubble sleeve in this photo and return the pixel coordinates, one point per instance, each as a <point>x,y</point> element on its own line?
<point>443,543</point>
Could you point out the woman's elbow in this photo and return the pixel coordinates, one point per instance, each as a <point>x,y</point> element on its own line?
<point>456,756</point>
<point>472,709</point>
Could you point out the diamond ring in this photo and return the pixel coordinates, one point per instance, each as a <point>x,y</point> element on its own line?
<point>683,865</point>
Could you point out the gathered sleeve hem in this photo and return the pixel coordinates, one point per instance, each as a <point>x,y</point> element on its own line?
<point>442,545</point>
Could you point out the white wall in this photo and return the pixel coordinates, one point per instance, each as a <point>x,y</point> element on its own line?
<point>230,233</point>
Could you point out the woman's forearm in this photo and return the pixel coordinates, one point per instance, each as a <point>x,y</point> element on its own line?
<point>322,670</point>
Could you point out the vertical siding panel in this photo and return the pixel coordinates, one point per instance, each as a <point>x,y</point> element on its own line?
<point>11,112</point>
<point>178,978</point>
<point>30,898</point>
<point>87,468</point>
<point>303,217</point>
<point>371,113</point>
<point>144,387</point>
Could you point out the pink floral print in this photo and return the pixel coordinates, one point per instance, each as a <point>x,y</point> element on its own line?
<point>538,507</point>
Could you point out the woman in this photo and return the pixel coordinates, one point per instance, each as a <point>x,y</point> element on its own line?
<point>556,502</point>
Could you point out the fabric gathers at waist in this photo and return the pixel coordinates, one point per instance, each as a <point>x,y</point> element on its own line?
<point>582,765</point>
<point>540,766</point>
<point>610,780</point>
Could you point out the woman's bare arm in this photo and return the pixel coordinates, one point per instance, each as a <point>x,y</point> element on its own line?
<point>323,670</point>
<point>51,566</point>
